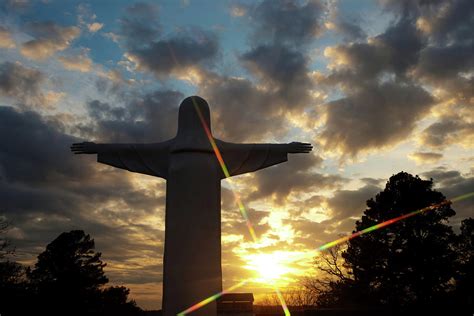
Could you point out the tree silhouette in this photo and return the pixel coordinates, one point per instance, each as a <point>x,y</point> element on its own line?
<point>4,242</point>
<point>68,278</point>
<point>409,262</point>
<point>333,283</point>
<point>464,293</point>
<point>70,261</point>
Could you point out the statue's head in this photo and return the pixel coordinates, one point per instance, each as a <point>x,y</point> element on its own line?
<point>189,120</point>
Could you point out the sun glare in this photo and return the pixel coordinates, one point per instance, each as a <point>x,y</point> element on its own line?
<point>269,267</point>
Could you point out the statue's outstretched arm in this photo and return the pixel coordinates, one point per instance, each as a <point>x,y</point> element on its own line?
<point>291,148</point>
<point>243,158</point>
<point>151,159</point>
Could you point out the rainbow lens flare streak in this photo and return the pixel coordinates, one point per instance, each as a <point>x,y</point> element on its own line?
<point>239,203</point>
<point>282,302</point>
<point>211,298</point>
<point>217,152</point>
<point>391,221</point>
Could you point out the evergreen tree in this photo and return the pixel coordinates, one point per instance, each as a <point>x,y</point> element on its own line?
<point>408,263</point>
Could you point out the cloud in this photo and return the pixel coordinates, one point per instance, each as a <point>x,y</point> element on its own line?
<point>87,19</point>
<point>350,30</point>
<point>444,64</point>
<point>450,129</point>
<point>377,116</point>
<point>443,22</point>
<point>283,70</point>
<point>37,153</point>
<point>6,40</point>
<point>350,203</point>
<point>176,53</point>
<point>49,39</point>
<point>392,81</point>
<point>80,62</point>
<point>21,83</point>
<point>297,177</point>
<point>348,27</point>
<point>140,25</point>
<point>240,111</point>
<point>394,52</point>
<point>238,10</point>
<point>234,224</point>
<point>453,184</point>
<point>95,26</point>
<point>425,157</point>
<point>441,63</point>
<point>148,118</point>
<point>443,177</point>
<point>287,22</point>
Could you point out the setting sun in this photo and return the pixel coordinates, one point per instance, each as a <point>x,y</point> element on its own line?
<point>269,267</point>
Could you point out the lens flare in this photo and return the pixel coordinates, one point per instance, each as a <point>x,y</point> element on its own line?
<point>211,299</point>
<point>217,152</point>
<point>392,221</point>
<point>282,302</point>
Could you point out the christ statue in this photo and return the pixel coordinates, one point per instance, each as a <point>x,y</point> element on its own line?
<point>189,163</point>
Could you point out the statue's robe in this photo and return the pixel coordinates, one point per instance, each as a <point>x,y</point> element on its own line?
<point>192,256</point>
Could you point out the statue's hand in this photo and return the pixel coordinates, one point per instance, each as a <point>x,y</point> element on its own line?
<point>297,147</point>
<point>84,148</point>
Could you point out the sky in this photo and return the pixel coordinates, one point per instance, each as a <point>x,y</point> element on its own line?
<point>377,87</point>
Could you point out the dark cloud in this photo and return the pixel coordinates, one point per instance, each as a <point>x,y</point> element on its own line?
<point>453,184</point>
<point>234,223</point>
<point>296,175</point>
<point>241,111</point>
<point>21,83</point>
<point>40,175</point>
<point>148,118</point>
<point>140,24</point>
<point>374,117</point>
<point>287,21</point>
<point>349,203</point>
<point>349,26</point>
<point>448,130</point>
<point>307,228</point>
<point>402,42</point>
<point>454,23</point>
<point>49,39</point>
<point>164,55</point>
<point>283,70</point>
<point>373,182</point>
<point>177,53</point>
<point>37,152</point>
<point>443,177</point>
<point>441,63</point>
<point>393,52</point>
<point>442,21</point>
<point>351,30</point>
